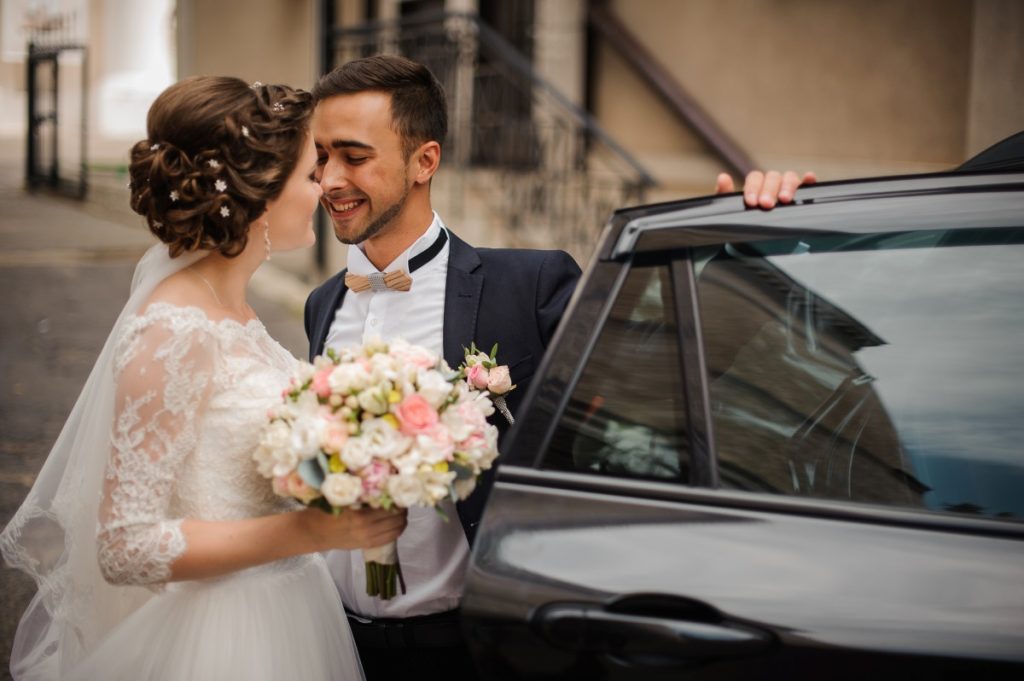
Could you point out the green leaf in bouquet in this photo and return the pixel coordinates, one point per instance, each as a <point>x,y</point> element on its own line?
<point>440,511</point>
<point>311,473</point>
<point>325,465</point>
<point>461,472</point>
<point>494,352</point>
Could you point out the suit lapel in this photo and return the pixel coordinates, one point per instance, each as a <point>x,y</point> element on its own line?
<point>335,299</point>
<point>463,287</point>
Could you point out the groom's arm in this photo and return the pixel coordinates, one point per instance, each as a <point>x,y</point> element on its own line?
<point>556,280</point>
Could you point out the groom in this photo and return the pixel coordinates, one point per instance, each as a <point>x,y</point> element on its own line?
<point>378,127</point>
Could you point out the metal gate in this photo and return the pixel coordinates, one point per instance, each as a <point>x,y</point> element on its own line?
<point>55,155</point>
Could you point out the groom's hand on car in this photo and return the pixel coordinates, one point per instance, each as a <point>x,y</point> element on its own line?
<point>765,189</point>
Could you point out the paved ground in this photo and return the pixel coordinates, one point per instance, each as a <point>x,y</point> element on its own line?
<point>65,268</point>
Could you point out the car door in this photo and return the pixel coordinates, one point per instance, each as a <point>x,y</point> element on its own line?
<point>789,458</point>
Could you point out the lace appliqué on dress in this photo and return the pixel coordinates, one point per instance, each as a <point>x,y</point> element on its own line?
<point>165,362</point>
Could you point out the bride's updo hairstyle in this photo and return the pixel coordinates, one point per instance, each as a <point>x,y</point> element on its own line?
<point>218,151</point>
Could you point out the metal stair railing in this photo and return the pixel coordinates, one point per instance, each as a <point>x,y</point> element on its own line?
<point>546,172</point>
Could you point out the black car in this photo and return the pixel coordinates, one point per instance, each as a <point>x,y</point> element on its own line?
<point>784,444</point>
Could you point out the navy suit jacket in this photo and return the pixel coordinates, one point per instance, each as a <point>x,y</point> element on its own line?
<point>513,297</point>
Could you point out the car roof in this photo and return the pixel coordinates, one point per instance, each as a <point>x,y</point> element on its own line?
<point>898,203</point>
<point>1005,155</point>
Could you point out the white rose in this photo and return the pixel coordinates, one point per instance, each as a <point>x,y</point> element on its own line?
<point>375,400</point>
<point>409,462</point>
<point>374,344</point>
<point>284,462</point>
<point>406,490</point>
<point>433,450</point>
<point>383,368</point>
<point>433,387</point>
<point>264,459</point>
<point>457,426</point>
<point>465,487</point>
<point>341,489</point>
<point>307,432</point>
<point>382,440</point>
<point>348,378</point>
<point>356,454</point>
<point>483,404</point>
<point>478,358</point>
<point>275,435</point>
<point>304,372</point>
<point>307,403</point>
<point>437,485</point>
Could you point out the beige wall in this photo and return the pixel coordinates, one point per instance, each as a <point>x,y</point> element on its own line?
<point>844,84</point>
<point>996,107</point>
<point>273,41</point>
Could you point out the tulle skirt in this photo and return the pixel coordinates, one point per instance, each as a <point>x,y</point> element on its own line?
<point>269,623</point>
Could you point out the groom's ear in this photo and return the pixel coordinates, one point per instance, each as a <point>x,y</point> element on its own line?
<point>426,161</point>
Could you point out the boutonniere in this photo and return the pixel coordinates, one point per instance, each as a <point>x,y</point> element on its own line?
<point>482,371</point>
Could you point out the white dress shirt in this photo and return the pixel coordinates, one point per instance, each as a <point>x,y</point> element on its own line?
<point>434,554</point>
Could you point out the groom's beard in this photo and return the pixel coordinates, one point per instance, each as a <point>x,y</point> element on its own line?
<point>375,227</point>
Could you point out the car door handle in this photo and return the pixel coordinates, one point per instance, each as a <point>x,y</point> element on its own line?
<point>593,628</point>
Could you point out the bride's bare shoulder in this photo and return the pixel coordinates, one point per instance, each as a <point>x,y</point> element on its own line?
<point>181,289</point>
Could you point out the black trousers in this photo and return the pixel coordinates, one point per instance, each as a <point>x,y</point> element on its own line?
<point>421,648</point>
<point>419,664</point>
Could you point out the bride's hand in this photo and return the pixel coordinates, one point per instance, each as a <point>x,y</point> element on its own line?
<point>361,529</point>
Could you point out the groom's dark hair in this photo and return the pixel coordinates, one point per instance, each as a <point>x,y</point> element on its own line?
<point>419,111</point>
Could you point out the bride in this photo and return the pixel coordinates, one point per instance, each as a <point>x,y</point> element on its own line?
<point>158,550</point>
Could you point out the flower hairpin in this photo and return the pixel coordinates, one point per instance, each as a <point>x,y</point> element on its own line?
<point>213,163</point>
<point>157,224</point>
<point>174,196</point>
<point>225,211</point>
<point>220,185</point>
<point>155,146</point>
<point>245,131</point>
<point>256,84</point>
<point>278,106</point>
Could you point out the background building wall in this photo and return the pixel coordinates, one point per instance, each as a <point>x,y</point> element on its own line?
<point>273,41</point>
<point>845,87</point>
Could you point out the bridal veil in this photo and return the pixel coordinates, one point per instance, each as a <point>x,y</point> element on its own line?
<point>52,536</point>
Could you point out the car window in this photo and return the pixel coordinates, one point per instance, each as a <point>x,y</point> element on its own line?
<point>626,414</point>
<point>886,369</point>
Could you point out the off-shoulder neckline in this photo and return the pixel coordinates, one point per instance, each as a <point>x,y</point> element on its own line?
<point>197,311</point>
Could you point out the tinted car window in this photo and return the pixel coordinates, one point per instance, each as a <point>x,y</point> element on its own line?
<point>883,368</point>
<point>626,414</point>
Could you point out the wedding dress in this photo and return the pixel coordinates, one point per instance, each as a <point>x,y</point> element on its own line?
<point>189,396</point>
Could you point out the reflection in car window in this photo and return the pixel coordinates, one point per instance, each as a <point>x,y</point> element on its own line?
<point>626,414</point>
<point>881,368</point>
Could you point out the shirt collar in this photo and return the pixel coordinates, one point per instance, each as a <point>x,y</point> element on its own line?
<point>358,263</point>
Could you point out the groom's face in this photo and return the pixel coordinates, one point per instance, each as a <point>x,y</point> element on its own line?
<point>360,165</point>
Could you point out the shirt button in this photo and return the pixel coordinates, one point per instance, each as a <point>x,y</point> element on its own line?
<point>373,322</point>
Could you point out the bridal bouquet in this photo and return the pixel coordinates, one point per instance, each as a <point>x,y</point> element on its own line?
<point>384,425</point>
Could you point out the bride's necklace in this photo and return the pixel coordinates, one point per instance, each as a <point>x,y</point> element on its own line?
<point>212,290</point>
<point>209,286</point>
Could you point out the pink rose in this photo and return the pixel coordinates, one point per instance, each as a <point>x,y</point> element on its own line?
<point>415,415</point>
<point>477,376</point>
<point>499,382</point>
<point>298,488</point>
<point>375,477</point>
<point>321,384</point>
<point>335,436</point>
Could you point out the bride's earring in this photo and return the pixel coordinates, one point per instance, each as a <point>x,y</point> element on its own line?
<point>266,237</point>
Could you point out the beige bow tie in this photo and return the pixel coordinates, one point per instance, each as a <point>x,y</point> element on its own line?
<point>397,280</point>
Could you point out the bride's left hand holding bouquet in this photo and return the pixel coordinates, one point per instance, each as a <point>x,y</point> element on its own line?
<point>382,425</point>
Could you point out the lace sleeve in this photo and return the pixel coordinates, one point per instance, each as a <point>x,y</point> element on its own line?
<point>163,369</point>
